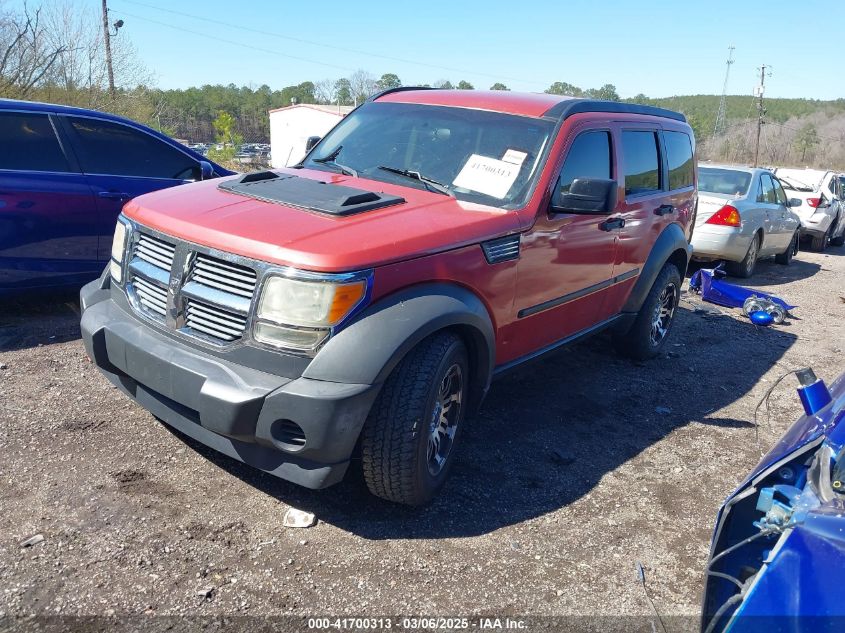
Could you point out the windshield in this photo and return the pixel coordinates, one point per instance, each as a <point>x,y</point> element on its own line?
<point>723,181</point>
<point>474,155</point>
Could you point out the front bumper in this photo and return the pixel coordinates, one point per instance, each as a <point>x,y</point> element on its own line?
<point>237,410</point>
<point>710,242</point>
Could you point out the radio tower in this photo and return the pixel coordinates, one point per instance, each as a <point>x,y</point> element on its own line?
<point>720,117</point>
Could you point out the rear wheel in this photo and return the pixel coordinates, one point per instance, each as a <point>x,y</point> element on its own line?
<point>745,268</point>
<point>409,439</point>
<point>785,257</point>
<point>654,321</point>
<point>819,244</point>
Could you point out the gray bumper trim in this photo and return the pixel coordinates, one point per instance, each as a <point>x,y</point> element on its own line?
<point>225,406</point>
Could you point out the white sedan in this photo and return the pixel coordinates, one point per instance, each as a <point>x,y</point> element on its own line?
<point>743,215</point>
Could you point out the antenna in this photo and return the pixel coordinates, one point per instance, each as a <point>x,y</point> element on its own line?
<point>720,117</point>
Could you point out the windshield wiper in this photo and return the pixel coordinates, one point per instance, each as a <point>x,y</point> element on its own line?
<point>796,185</point>
<point>330,160</point>
<point>431,184</point>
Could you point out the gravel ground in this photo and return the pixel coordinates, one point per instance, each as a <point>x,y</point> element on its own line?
<point>577,468</point>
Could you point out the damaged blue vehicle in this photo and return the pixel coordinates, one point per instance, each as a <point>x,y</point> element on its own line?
<point>777,559</point>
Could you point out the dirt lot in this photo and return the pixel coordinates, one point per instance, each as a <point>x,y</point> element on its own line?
<point>577,468</point>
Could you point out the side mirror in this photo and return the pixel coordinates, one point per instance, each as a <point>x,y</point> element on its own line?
<point>587,195</point>
<point>794,202</point>
<point>206,170</point>
<point>311,141</point>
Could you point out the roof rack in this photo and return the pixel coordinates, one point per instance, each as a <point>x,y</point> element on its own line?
<point>398,89</point>
<point>569,107</point>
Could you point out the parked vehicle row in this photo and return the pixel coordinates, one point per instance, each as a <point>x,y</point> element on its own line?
<point>822,208</point>
<point>746,213</point>
<point>65,174</point>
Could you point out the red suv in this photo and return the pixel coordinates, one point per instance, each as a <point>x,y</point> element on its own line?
<point>360,302</point>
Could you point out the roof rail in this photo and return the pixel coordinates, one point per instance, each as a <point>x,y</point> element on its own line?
<point>568,107</point>
<point>397,89</point>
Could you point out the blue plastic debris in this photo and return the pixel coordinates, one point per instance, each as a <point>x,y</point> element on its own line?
<point>761,318</point>
<point>712,288</point>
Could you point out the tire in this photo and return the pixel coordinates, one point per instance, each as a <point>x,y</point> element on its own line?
<point>837,241</point>
<point>819,244</point>
<point>644,340</point>
<point>401,460</point>
<point>745,268</point>
<point>785,258</point>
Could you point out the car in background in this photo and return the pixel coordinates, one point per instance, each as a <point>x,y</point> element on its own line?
<point>743,215</point>
<point>822,209</point>
<point>778,548</point>
<point>65,174</point>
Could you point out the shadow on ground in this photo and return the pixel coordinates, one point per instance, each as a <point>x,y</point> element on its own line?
<point>548,433</point>
<point>767,272</point>
<point>32,321</point>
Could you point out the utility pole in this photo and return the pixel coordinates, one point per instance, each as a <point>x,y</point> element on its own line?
<point>761,111</point>
<point>720,117</point>
<point>107,38</point>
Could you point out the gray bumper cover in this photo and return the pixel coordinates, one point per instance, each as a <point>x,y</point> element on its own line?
<point>228,407</point>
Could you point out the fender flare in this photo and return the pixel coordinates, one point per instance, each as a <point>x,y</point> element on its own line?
<point>671,246</point>
<point>367,350</point>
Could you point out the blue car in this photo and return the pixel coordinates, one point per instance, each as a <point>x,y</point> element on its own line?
<point>65,174</point>
<point>778,551</point>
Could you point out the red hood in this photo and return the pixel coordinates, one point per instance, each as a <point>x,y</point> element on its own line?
<point>426,223</point>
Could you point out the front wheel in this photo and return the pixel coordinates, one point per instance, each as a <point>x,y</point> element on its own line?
<point>408,442</point>
<point>651,328</point>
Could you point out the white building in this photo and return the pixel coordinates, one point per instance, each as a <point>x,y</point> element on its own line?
<point>290,128</point>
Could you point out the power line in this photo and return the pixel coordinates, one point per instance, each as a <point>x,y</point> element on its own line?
<point>315,43</point>
<point>234,43</point>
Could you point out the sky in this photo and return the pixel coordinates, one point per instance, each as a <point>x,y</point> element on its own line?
<point>659,48</point>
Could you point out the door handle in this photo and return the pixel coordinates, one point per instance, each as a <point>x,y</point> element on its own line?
<point>664,209</point>
<point>612,223</point>
<point>114,195</point>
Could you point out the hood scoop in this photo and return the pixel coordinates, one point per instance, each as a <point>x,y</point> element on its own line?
<point>304,193</point>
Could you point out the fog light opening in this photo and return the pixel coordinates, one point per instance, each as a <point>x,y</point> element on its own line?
<point>288,435</point>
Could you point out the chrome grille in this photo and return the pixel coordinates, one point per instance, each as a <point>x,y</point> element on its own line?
<point>188,289</point>
<point>152,297</point>
<point>214,321</point>
<point>225,276</point>
<point>155,251</point>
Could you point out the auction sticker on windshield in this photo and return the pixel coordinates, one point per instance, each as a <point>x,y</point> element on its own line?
<point>486,175</point>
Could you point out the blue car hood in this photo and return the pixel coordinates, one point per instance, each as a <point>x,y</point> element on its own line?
<point>778,547</point>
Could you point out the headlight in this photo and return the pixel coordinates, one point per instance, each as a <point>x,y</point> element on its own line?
<point>117,247</point>
<point>299,314</point>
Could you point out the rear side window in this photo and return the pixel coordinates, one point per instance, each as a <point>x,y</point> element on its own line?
<point>642,163</point>
<point>29,143</point>
<point>588,157</point>
<point>780,194</point>
<point>111,148</point>
<point>679,155</point>
<point>767,190</point>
